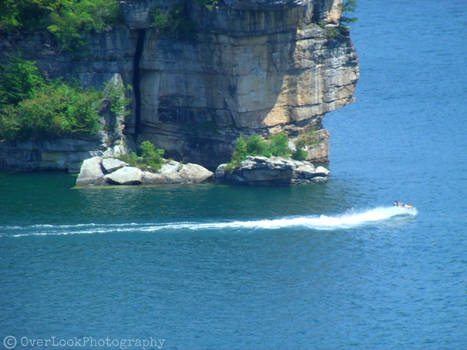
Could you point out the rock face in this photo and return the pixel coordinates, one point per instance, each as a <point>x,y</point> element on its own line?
<point>253,67</point>
<point>61,154</point>
<point>250,67</point>
<point>272,171</point>
<point>98,171</point>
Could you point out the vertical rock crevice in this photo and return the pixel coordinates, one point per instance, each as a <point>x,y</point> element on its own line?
<point>141,33</point>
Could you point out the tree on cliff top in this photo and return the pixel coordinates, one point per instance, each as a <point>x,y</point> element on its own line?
<point>176,21</point>
<point>348,6</point>
<point>67,20</point>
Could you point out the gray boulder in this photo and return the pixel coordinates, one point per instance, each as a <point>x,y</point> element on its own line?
<point>170,167</point>
<point>194,173</point>
<point>111,164</point>
<point>153,178</point>
<point>110,171</point>
<point>174,172</point>
<point>125,176</point>
<point>91,173</point>
<point>220,172</point>
<point>322,171</point>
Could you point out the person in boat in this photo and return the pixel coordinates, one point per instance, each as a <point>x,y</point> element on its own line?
<point>402,205</point>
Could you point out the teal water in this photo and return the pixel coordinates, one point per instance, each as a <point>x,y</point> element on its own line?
<point>313,267</point>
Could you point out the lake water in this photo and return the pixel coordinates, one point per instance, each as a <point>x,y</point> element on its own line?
<point>332,266</point>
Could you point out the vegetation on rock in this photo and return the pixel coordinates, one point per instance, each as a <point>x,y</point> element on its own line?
<point>67,20</point>
<point>347,7</point>
<point>304,140</point>
<point>149,158</point>
<point>116,95</point>
<point>255,145</point>
<point>277,145</point>
<point>32,107</point>
<point>341,30</point>
<point>176,22</point>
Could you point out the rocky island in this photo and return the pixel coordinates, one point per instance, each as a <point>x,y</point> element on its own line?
<point>98,171</point>
<point>260,171</point>
<point>247,67</point>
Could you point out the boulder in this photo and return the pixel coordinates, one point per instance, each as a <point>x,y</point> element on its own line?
<point>194,173</point>
<point>119,173</point>
<point>319,179</point>
<point>169,172</point>
<point>111,164</point>
<point>304,171</point>
<point>150,178</point>
<point>272,171</point>
<point>220,171</point>
<point>91,173</point>
<point>125,176</point>
<point>322,171</point>
<point>174,172</point>
<point>169,167</point>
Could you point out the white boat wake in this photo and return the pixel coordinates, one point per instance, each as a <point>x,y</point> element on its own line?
<point>314,222</point>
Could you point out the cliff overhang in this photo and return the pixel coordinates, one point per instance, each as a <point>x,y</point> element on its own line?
<point>249,67</point>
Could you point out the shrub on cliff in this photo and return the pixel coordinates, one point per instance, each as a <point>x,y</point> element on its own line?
<point>67,20</point>
<point>18,80</point>
<point>33,108</point>
<point>305,140</point>
<point>54,110</point>
<point>348,6</point>
<point>299,154</point>
<point>27,15</point>
<point>176,22</point>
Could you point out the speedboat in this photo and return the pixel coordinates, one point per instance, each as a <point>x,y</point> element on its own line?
<point>403,205</point>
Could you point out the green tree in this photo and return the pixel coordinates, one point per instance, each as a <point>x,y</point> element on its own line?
<point>177,22</point>
<point>348,6</point>
<point>71,18</point>
<point>32,108</point>
<point>18,80</point>
<point>56,110</point>
<point>26,15</point>
<point>67,20</point>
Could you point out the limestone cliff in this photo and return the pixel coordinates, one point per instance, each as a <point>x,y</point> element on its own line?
<point>251,66</point>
